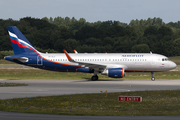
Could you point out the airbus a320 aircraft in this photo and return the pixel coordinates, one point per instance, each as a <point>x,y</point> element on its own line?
<point>113,65</point>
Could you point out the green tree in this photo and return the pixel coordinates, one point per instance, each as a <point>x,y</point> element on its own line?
<point>93,42</point>
<point>108,41</point>
<point>177,46</point>
<point>70,44</point>
<point>140,48</point>
<point>151,30</point>
<point>58,46</point>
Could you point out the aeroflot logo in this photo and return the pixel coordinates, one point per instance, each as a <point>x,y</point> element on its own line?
<point>132,55</point>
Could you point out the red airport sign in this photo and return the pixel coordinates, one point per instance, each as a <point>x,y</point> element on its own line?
<point>130,98</point>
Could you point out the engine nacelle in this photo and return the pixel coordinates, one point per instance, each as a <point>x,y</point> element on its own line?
<point>114,72</point>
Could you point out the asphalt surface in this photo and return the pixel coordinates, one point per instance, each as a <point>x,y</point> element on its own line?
<point>59,87</point>
<point>26,116</point>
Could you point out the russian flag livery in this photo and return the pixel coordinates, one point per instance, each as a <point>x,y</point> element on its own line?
<point>19,42</point>
<point>110,64</point>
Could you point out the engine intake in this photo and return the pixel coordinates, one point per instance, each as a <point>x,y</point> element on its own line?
<point>114,72</point>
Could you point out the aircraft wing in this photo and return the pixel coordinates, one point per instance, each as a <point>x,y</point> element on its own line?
<point>95,66</point>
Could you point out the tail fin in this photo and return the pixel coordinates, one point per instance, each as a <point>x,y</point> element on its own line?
<point>19,42</point>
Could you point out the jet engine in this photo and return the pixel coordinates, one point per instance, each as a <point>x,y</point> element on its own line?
<point>114,72</point>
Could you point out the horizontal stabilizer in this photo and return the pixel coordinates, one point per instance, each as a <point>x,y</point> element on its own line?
<point>22,59</point>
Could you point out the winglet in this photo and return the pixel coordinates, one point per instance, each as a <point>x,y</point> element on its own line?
<point>68,57</point>
<point>75,52</point>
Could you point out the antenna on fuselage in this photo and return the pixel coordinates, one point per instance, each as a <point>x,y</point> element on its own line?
<point>150,52</point>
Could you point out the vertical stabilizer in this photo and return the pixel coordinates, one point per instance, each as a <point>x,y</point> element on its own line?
<point>19,42</point>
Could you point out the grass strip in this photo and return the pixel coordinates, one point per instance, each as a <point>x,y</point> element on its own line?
<point>5,62</point>
<point>32,73</point>
<point>175,59</point>
<point>155,103</point>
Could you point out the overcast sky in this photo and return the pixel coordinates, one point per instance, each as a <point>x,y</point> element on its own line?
<point>92,10</point>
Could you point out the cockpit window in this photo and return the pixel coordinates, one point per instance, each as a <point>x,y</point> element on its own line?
<point>165,59</point>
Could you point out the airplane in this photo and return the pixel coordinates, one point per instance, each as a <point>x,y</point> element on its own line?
<point>113,65</point>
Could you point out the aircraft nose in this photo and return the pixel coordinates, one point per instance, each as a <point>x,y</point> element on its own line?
<point>173,65</point>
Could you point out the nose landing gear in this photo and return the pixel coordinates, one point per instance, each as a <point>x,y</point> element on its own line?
<point>152,78</point>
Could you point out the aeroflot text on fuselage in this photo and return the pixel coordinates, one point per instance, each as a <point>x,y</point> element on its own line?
<point>112,64</point>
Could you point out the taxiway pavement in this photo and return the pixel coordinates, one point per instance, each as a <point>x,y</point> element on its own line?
<point>29,116</point>
<point>49,87</point>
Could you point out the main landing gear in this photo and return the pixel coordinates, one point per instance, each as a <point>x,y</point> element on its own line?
<point>95,77</point>
<point>153,78</point>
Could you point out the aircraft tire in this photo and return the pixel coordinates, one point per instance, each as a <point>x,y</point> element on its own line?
<point>153,78</point>
<point>94,78</point>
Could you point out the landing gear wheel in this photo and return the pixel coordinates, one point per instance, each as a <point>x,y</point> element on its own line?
<point>153,78</point>
<point>94,78</point>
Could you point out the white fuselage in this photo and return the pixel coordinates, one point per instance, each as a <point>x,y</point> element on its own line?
<point>129,61</point>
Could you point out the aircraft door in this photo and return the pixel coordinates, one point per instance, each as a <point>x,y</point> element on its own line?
<point>39,60</point>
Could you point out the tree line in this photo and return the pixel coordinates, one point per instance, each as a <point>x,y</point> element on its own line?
<point>56,34</point>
